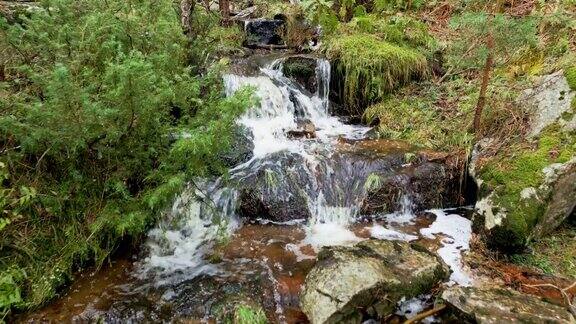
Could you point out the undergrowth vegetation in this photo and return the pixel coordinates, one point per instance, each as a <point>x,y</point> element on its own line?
<point>106,110</point>
<point>372,67</point>
<point>553,255</point>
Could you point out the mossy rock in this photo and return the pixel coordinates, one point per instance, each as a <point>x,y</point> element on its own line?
<point>302,69</point>
<point>518,189</point>
<point>370,277</point>
<point>570,74</point>
<point>367,68</point>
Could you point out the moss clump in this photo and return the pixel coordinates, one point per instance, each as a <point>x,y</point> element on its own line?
<point>372,67</point>
<point>522,168</point>
<point>570,74</point>
<point>249,315</point>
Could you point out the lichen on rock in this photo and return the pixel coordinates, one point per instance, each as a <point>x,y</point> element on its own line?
<point>370,277</point>
<point>502,306</point>
<point>519,189</point>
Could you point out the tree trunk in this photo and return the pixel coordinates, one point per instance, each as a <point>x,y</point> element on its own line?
<point>186,9</point>
<point>488,65</point>
<point>224,6</point>
<point>485,81</point>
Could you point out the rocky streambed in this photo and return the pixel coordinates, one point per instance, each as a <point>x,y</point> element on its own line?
<point>316,222</point>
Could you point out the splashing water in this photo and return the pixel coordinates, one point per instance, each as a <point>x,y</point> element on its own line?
<point>206,212</point>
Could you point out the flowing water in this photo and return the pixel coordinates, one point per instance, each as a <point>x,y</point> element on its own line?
<point>208,251</point>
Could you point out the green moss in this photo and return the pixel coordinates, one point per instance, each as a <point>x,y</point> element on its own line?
<point>412,114</point>
<point>299,68</point>
<point>248,315</point>
<point>521,168</point>
<point>570,74</point>
<point>371,68</point>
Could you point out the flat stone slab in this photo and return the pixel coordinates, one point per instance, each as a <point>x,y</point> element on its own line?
<point>487,306</point>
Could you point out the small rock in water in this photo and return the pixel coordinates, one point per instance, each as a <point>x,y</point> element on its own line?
<point>306,129</point>
<point>370,277</point>
<point>486,306</point>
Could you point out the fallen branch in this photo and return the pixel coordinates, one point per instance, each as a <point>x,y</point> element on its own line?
<point>563,291</point>
<point>425,314</point>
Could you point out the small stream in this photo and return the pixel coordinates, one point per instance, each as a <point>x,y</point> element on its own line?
<point>253,235</point>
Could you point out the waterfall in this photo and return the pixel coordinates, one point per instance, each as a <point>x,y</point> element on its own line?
<point>208,209</point>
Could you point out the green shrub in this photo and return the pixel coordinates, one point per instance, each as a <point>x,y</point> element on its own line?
<point>95,97</point>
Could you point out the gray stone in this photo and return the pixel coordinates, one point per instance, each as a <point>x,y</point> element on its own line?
<point>562,202</point>
<point>486,306</point>
<point>549,99</point>
<point>371,277</point>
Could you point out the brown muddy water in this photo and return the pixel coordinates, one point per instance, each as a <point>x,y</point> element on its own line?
<point>278,253</point>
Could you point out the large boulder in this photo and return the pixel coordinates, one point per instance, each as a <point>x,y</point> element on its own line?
<point>549,100</point>
<point>370,277</point>
<point>263,33</point>
<point>528,189</point>
<point>487,306</point>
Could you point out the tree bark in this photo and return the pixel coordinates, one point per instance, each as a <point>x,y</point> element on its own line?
<point>186,9</point>
<point>485,81</point>
<point>224,6</point>
<point>486,71</point>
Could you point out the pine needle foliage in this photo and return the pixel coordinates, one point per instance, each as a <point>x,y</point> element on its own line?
<point>106,111</point>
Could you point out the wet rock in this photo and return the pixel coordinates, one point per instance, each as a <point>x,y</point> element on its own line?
<point>415,181</point>
<point>264,33</point>
<point>549,99</point>
<point>486,306</point>
<point>241,148</point>
<point>276,190</point>
<point>374,178</point>
<point>370,277</point>
<point>302,69</point>
<point>306,129</point>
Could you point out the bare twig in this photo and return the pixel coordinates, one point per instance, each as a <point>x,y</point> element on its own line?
<point>425,314</point>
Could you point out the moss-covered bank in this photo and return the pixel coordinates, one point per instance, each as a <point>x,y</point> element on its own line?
<point>518,185</point>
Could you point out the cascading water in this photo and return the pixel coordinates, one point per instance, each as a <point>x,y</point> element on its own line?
<point>178,244</point>
<point>276,210</point>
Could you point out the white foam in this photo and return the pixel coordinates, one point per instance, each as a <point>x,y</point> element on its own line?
<point>412,307</point>
<point>458,231</point>
<point>380,232</point>
<point>178,245</point>
<point>329,234</point>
